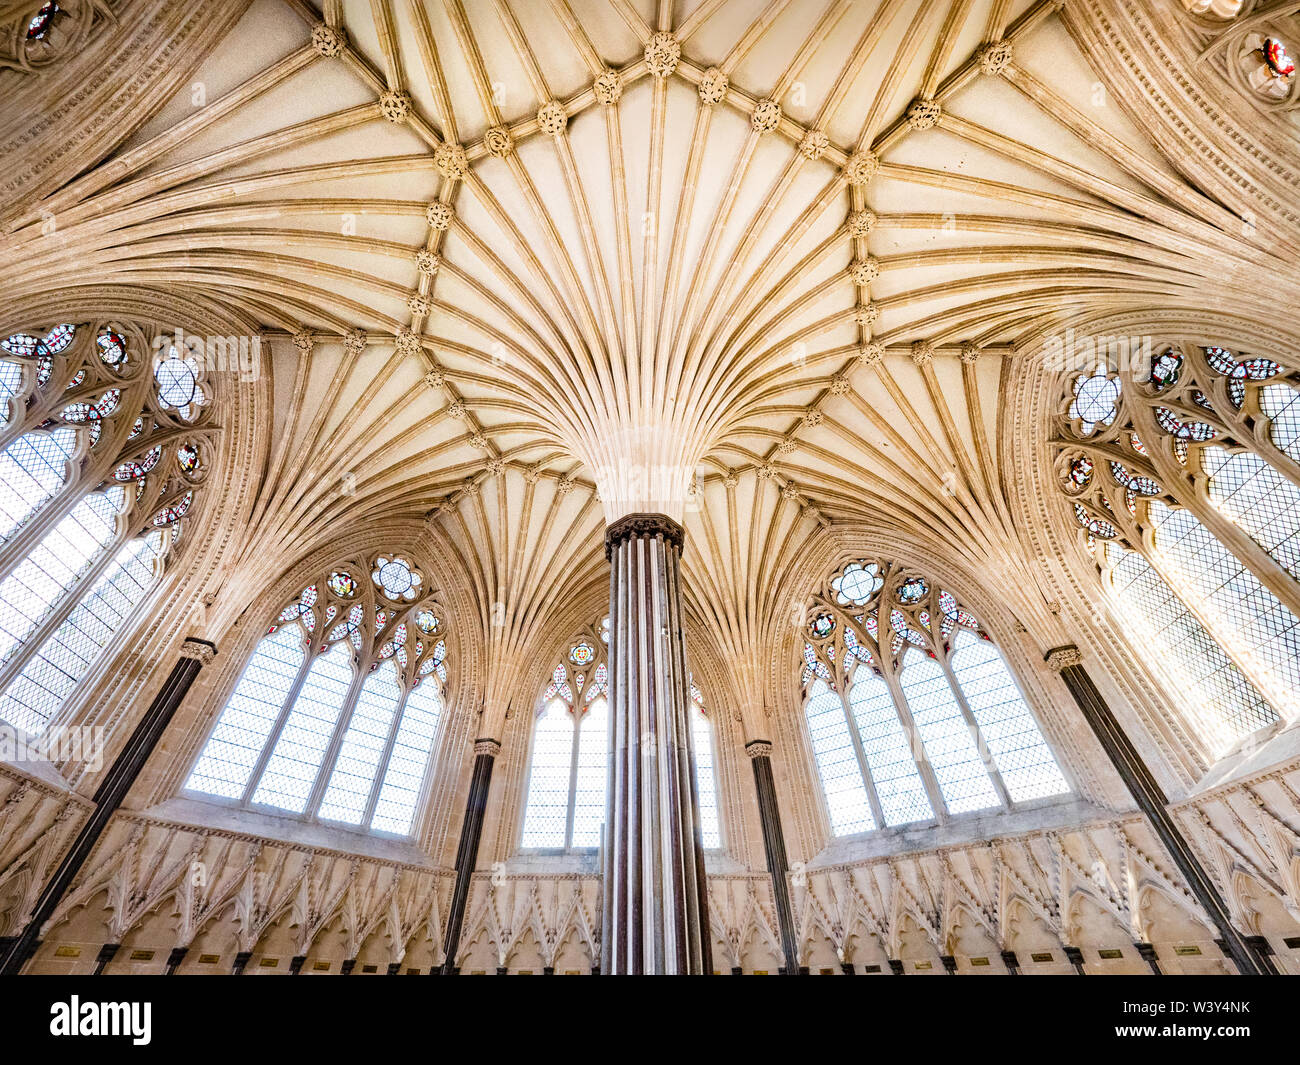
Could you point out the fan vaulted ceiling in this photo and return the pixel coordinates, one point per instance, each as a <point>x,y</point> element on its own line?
<point>518,256</point>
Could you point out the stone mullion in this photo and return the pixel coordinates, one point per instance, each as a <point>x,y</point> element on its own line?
<point>575,713</point>
<point>286,707</point>
<point>877,811</point>
<point>336,743</point>
<point>376,786</point>
<point>917,748</point>
<point>986,756</point>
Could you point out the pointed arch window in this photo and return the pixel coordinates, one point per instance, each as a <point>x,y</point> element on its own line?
<point>568,770</point>
<point>705,776</point>
<point>96,476</point>
<point>911,710</point>
<point>336,714</point>
<point>1189,499</point>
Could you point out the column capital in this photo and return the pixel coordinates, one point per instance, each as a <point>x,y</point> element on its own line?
<point>194,647</point>
<point>636,525</point>
<point>487,745</point>
<point>759,748</point>
<point>1060,657</point>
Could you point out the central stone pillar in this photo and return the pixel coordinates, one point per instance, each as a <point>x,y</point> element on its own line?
<point>655,913</point>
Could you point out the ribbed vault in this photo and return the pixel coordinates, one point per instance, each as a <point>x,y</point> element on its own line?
<point>524,266</point>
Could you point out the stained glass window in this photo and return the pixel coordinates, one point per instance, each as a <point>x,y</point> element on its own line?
<point>1214,630</point>
<point>1165,368</point>
<point>336,714</point>
<point>177,379</point>
<point>920,720</point>
<point>43,21</point>
<point>705,778</point>
<point>1095,400</point>
<point>1221,701</point>
<point>1280,64</point>
<point>84,533</point>
<point>565,806</point>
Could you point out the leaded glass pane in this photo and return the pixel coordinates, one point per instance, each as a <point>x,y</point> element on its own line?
<point>32,469</point>
<point>1247,618</point>
<point>889,754</point>
<point>1265,504</point>
<point>949,745</point>
<point>31,699</point>
<point>548,778</point>
<point>1019,751</point>
<point>1281,403</point>
<point>1221,702</point>
<point>350,783</point>
<point>589,790</point>
<point>395,810</point>
<point>702,737</point>
<point>837,762</point>
<point>11,383</point>
<point>52,567</point>
<point>245,724</point>
<point>300,748</point>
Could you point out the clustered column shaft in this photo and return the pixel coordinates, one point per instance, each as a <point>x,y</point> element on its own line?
<point>471,832</point>
<point>1151,800</point>
<point>655,913</point>
<point>778,864</point>
<point>108,798</point>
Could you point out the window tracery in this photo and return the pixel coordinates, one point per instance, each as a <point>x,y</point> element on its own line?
<point>36,36</point>
<point>93,490</point>
<point>334,717</point>
<point>1193,514</point>
<point>1251,45</point>
<point>911,710</point>
<point>565,800</point>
